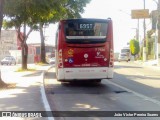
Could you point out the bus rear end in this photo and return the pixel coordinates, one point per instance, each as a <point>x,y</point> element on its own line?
<point>84,50</point>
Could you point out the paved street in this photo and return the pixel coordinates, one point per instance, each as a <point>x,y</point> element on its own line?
<point>108,51</point>
<point>134,88</point>
<point>141,79</point>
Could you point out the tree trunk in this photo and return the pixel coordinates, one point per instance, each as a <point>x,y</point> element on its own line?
<point>43,52</point>
<point>1,14</point>
<point>24,55</point>
<point>2,83</point>
<point>1,21</point>
<point>24,49</point>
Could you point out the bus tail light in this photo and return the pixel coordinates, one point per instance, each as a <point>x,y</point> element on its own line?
<point>60,62</point>
<point>111,62</point>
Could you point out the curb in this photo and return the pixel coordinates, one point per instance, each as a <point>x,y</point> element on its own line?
<point>44,97</point>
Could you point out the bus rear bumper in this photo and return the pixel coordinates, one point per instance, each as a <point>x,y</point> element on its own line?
<point>85,73</point>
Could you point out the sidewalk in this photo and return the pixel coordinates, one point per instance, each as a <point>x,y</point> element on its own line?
<point>149,64</point>
<point>28,94</point>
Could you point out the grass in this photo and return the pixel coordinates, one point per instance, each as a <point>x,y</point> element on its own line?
<point>33,68</point>
<point>41,63</point>
<point>25,70</point>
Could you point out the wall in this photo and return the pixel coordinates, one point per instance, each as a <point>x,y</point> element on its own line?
<point>8,42</point>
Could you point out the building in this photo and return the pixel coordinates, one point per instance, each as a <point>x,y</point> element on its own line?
<point>34,51</point>
<point>11,45</point>
<point>8,42</point>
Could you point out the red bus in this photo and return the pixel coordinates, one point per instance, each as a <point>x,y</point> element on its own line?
<point>84,49</point>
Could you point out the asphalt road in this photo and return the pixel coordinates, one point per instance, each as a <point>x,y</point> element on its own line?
<point>138,78</point>
<point>133,88</point>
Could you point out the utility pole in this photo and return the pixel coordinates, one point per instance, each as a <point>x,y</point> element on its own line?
<point>1,15</point>
<point>158,26</point>
<point>138,31</point>
<point>144,44</point>
<point>136,35</point>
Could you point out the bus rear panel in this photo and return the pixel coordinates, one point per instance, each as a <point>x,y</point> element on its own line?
<point>84,49</point>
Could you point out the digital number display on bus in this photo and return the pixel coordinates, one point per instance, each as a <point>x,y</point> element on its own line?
<point>85,26</point>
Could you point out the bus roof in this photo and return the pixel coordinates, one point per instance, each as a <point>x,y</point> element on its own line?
<point>90,19</point>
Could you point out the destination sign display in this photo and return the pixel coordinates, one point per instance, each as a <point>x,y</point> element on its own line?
<point>85,26</point>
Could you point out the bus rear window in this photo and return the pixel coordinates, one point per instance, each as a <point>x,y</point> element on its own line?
<point>86,32</point>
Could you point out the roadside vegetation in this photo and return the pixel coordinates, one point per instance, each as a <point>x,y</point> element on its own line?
<point>35,14</point>
<point>41,63</point>
<point>26,70</point>
<point>134,47</point>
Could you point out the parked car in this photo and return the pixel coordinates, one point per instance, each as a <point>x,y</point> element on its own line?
<point>52,60</point>
<point>8,60</point>
<point>123,57</point>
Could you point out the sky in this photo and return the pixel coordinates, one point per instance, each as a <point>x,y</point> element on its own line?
<point>124,27</point>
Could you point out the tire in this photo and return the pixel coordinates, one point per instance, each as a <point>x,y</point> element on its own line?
<point>98,81</point>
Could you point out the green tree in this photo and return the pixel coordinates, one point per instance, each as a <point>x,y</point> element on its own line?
<point>66,9</point>
<point>134,47</point>
<point>150,44</point>
<point>18,14</point>
<point>74,8</point>
<point>44,12</point>
<point>35,14</point>
<point>31,13</point>
<point>54,11</point>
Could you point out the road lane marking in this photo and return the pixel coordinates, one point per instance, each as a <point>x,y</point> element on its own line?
<point>137,94</point>
<point>44,98</point>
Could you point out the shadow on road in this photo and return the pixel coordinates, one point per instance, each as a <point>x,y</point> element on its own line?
<point>77,87</point>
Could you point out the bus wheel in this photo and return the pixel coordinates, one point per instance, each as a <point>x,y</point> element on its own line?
<point>97,81</point>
